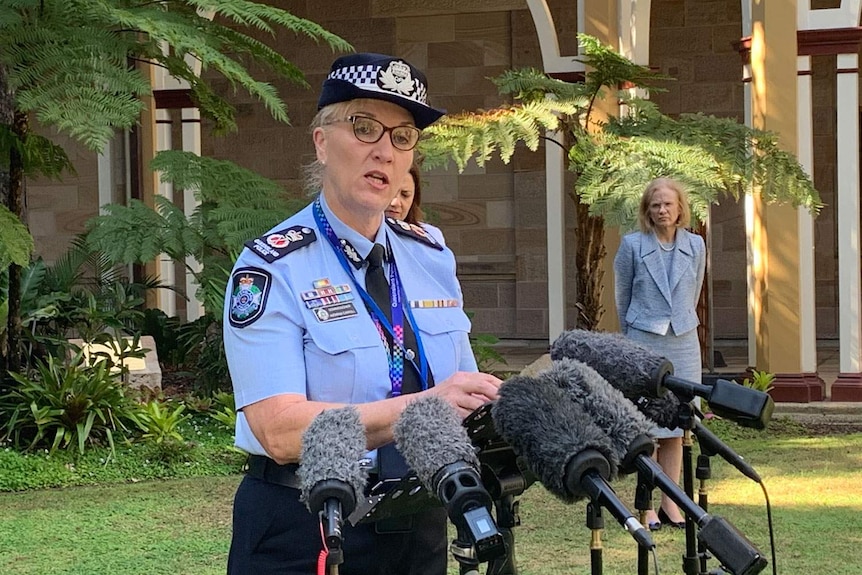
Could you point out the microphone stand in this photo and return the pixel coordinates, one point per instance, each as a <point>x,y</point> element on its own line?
<point>703,472</point>
<point>465,554</point>
<point>643,503</point>
<point>507,518</point>
<point>595,523</point>
<point>686,421</point>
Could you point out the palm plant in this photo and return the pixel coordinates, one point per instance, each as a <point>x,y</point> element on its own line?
<point>81,66</point>
<point>613,159</point>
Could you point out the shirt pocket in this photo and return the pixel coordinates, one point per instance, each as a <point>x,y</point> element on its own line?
<point>443,331</point>
<point>345,361</point>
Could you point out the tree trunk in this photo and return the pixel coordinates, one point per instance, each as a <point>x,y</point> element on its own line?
<point>15,203</point>
<point>703,310</point>
<point>12,196</point>
<point>589,260</point>
<point>7,113</point>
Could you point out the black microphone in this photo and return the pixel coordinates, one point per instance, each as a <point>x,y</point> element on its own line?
<point>628,428</point>
<point>331,474</point>
<point>570,455</point>
<point>435,445</point>
<point>710,444</point>
<point>618,416</point>
<point>645,378</point>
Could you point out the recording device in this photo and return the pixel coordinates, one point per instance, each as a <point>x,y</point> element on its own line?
<point>330,472</point>
<point>435,445</point>
<point>570,455</point>
<point>645,378</point>
<point>627,428</point>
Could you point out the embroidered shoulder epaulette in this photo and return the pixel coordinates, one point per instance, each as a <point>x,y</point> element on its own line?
<point>278,244</point>
<point>413,231</point>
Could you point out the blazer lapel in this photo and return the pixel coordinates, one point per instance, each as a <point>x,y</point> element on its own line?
<point>654,264</point>
<point>685,254</point>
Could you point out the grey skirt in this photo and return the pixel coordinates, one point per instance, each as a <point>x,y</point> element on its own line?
<point>683,351</point>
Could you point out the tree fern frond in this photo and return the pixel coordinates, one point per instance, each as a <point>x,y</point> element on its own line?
<point>748,158</point>
<point>261,15</point>
<point>40,156</point>
<point>16,243</point>
<point>464,136</point>
<point>68,61</point>
<point>531,85</point>
<point>219,181</point>
<point>127,234</point>
<point>606,68</point>
<point>180,239</point>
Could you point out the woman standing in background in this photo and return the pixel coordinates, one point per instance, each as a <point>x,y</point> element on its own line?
<point>659,274</point>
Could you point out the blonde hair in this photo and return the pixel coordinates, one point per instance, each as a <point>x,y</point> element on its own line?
<point>684,219</point>
<point>313,172</point>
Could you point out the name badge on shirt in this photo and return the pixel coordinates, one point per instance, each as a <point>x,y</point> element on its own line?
<point>329,302</point>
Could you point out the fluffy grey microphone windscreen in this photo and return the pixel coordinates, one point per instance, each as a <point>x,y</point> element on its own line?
<point>625,365</point>
<point>333,445</point>
<point>543,425</point>
<point>430,436</point>
<point>609,410</point>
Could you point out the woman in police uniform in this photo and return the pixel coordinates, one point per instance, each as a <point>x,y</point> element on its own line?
<point>302,333</point>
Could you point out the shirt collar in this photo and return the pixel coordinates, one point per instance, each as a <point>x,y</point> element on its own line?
<point>344,232</point>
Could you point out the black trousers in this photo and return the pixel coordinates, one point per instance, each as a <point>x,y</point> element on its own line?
<point>273,533</point>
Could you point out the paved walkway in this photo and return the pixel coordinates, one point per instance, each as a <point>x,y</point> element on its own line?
<point>519,354</point>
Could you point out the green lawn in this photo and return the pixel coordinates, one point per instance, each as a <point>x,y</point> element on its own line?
<point>182,526</point>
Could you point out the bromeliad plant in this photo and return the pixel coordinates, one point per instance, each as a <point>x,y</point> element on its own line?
<point>65,404</point>
<point>160,421</point>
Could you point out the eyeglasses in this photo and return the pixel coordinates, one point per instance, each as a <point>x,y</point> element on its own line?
<point>370,131</point>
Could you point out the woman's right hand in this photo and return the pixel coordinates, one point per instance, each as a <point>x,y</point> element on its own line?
<point>467,391</point>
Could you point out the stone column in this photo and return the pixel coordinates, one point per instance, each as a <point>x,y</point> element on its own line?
<point>167,273</point>
<point>191,120</point>
<point>149,181</point>
<point>848,386</point>
<point>601,19</point>
<point>775,266</point>
<point>805,154</point>
<point>555,168</point>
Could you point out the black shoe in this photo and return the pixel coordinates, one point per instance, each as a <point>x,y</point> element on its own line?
<point>654,526</point>
<point>665,519</point>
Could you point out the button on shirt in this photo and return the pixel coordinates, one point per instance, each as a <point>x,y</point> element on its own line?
<point>289,350</point>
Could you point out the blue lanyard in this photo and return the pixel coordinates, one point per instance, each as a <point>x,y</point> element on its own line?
<point>396,295</point>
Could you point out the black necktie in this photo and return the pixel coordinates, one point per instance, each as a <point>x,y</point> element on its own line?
<point>378,288</point>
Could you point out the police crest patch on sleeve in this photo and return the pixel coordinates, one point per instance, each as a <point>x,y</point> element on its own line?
<point>248,293</point>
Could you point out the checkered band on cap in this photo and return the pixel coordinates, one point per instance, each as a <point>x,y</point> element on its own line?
<point>375,78</point>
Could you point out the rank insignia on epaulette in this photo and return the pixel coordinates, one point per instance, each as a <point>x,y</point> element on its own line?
<point>413,231</point>
<point>249,291</point>
<point>278,244</point>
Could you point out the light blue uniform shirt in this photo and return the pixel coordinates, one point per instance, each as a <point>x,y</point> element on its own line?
<point>278,342</point>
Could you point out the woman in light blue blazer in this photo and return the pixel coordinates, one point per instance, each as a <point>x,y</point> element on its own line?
<point>658,277</point>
